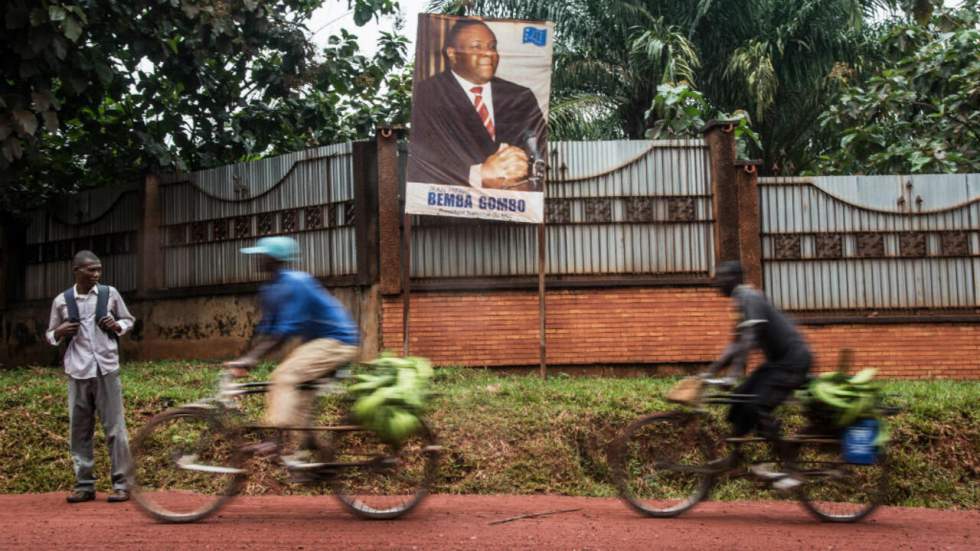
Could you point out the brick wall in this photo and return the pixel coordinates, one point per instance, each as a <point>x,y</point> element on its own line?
<point>649,326</point>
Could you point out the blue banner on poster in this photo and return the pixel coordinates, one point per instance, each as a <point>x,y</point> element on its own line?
<point>538,37</point>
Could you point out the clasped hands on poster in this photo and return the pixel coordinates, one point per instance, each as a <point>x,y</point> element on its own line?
<point>508,168</point>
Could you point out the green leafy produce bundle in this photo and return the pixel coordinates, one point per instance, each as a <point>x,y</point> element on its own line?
<point>391,393</point>
<point>848,398</point>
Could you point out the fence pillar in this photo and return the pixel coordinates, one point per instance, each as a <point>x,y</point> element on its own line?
<point>749,229</point>
<point>366,208</point>
<point>720,138</point>
<point>13,239</point>
<point>150,252</point>
<point>389,212</point>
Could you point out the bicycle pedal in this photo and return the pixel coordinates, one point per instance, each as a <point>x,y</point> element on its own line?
<point>765,472</point>
<point>787,484</point>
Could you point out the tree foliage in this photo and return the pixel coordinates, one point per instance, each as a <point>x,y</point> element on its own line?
<point>98,91</point>
<point>678,111</point>
<point>918,114</point>
<point>771,58</point>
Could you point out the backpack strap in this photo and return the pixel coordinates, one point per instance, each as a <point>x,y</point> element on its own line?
<point>102,303</point>
<point>102,307</point>
<point>72,304</point>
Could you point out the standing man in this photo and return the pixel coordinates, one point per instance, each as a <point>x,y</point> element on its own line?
<point>473,128</point>
<point>294,304</point>
<point>89,318</point>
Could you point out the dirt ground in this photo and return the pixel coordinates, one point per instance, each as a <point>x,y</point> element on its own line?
<point>45,521</point>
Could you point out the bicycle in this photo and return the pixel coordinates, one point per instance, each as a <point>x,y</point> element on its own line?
<point>664,464</point>
<point>190,460</point>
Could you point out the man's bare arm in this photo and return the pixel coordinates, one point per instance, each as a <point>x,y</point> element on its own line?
<point>262,345</point>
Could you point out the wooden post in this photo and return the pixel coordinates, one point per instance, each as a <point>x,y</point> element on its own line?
<point>749,230</point>
<point>150,255</point>
<point>721,151</point>
<point>406,279</point>
<point>365,213</point>
<point>543,342</point>
<point>389,212</point>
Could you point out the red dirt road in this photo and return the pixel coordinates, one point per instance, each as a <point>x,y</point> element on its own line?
<point>45,521</point>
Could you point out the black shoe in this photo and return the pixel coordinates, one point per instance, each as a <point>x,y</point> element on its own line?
<point>118,496</point>
<point>79,496</point>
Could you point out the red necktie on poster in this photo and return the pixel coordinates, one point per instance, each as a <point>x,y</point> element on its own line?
<point>481,109</point>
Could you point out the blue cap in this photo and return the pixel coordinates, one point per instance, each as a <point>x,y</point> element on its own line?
<point>284,249</point>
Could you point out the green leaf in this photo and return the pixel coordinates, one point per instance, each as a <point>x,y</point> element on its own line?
<point>26,121</point>
<point>72,29</point>
<point>104,73</point>
<point>38,17</point>
<point>41,100</point>
<point>51,120</point>
<point>60,48</point>
<point>12,149</point>
<point>57,13</point>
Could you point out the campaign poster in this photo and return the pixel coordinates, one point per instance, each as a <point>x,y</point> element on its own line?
<point>478,145</point>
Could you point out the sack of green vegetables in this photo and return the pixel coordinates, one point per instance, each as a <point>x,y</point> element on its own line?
<point>841,400</point>
<point>390,393</point>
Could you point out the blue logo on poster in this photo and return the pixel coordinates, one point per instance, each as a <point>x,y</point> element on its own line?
<point>538,37</point>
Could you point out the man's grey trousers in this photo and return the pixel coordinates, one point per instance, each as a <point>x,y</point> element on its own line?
<point>86,397</point>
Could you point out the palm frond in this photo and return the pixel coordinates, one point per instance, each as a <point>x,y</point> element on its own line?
<point>752,64</point>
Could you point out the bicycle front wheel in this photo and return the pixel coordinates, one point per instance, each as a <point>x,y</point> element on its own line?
<point>376,480</point>
<point>834,490</point>
<point>660,464</point>
<point>185,466</point>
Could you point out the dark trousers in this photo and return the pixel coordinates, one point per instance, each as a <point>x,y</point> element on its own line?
<point>86,397</point>
<point>771,384</point>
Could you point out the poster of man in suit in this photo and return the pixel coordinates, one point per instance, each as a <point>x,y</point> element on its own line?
<point>478,140</point>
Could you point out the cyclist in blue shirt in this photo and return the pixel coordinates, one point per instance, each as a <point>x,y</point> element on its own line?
<point>294,304</point>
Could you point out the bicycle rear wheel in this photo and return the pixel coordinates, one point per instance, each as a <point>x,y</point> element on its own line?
<point>660,463</point>
<point>375,480</point>
<point>185,466</point>
<point>837,491</point>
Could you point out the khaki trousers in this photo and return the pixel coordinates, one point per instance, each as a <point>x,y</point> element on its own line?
<point>289,406</point>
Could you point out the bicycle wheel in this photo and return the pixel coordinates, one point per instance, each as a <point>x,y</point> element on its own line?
<point>660,463</point>
<point>185,466</point>
<point>375,480</point>
<point>837,491</point>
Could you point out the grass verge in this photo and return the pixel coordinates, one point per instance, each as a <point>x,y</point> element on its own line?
<point>509,434</point>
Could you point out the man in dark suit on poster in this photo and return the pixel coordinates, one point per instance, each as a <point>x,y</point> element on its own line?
<point>471,128</point>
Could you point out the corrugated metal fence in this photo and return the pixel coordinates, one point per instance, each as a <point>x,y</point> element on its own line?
<point>613,208</point>
<point>208,216</point>
<point>871,242</point>
<point>105,221</point>
<point>622,208</point>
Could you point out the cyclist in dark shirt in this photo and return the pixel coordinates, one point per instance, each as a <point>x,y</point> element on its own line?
<point>786,367</point>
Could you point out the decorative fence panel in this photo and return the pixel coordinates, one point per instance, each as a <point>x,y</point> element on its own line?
<point>105,221</point>
<point>208,216</point>
<point>613,208</point>
<point>872,242</point>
